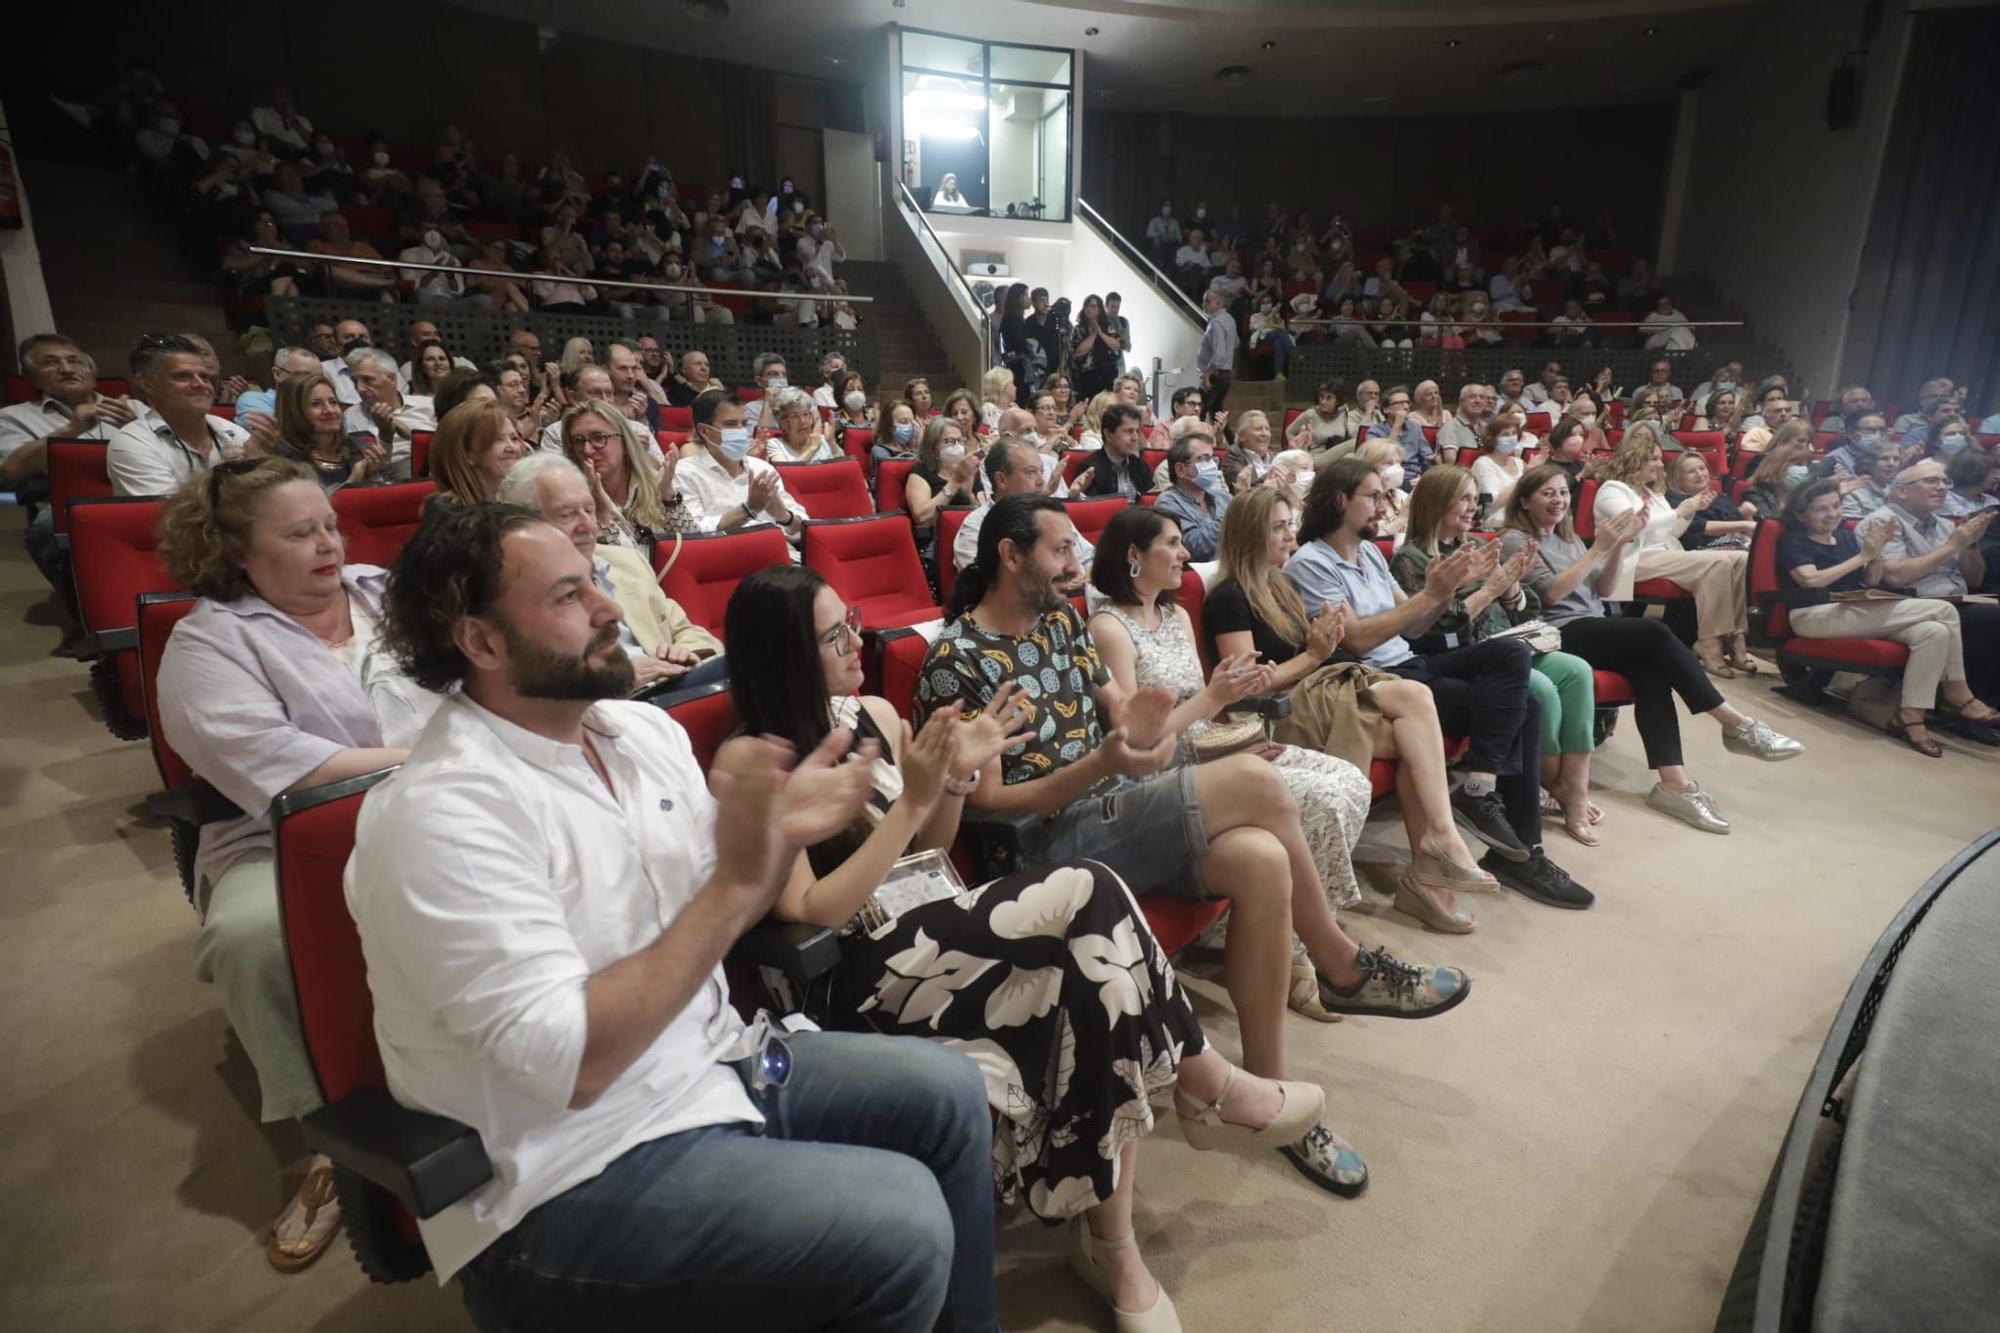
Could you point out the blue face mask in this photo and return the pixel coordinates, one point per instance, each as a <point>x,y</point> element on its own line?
<point>1506,444</point>
<point>1868,439</point>
<point>905,431</point>
<point>1951,444</point>
<point>1206,473</point>
<point>1797,475</point>
<point>772,386</point>
<point>735,443</point>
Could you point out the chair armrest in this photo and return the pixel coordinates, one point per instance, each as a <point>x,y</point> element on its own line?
<point>997,839</point>
<point>1273,707</point>
<point>802,951</point>
<point>197,803</point>
<point>425,1160</point>
<point>91,646</point>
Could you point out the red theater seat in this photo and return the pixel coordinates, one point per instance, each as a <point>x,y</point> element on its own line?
<point>892,489</point>
<point>704,573</point>
<point>949,520</point>
<point>1806,664</point>
<point>113,557</point>
<point>77,471</point>
<point>377,520</point>
<point>1092,516</point>
<point>873,564</point>
<point>829,490</point>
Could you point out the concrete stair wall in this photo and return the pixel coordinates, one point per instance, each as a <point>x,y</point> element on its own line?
<point>114,271</point>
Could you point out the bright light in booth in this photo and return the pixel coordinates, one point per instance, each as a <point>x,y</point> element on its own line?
<point>934,113</point>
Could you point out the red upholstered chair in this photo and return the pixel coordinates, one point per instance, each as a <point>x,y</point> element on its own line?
<point>1291,415</point>
<point>1736,490</point>
<point>77,471</point>
<point>390,1163</point>
<point>1540,424</point>
<point>707,716</point>
<point>113,558</point>
<point>1713,446</point>
<point>1614,413</point>
<point>377,520</point>
<point>892,476</point>
<point>1806,664</point>
<point>1583,515</point>
<point>1153,457</point>
<point>184,801</point>
<point>709,565</point>
<point>856,441</point>
<point>114,386</point>
<point>420,453</point>
<point>1093,516</point>
<point>949,520</point>
<point>1073,461</point>
<point>677,418</point>
<point>227,411</point>
<point>873,564</point>
<point>1430,435</point>
<point>670,439</point>
<point>838,489</point>
<point>20,389</point>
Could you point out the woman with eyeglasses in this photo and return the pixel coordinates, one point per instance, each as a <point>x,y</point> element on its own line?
<point>1050,979</point>
<point>636,496</point>
<point>802,437</point>
<point>272,683</point>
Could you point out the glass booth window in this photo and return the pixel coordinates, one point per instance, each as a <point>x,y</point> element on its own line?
<point>986,127</point>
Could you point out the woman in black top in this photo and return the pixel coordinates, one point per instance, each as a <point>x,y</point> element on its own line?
<point>1094,360</point>
<point>1342,708</point>
<point>1013,349</point>
<point>1718,526</point>
<point>1819,557</point>
<point>1012,973</point>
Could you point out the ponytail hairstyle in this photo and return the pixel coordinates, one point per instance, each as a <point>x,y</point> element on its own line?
<point>1016,519</point>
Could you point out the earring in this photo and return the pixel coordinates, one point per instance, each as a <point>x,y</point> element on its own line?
<point>1133,570</point>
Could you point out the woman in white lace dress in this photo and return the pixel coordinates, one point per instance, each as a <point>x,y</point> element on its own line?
<point>1145,638</point>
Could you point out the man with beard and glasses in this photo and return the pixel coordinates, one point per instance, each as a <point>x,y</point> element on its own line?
<point>545,892</point>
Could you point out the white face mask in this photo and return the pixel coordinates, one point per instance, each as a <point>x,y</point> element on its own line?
<point>951,454</point>
<point>381,159</point>
<point>1392,476</point>
<point>1586,419</point>
<point>856,401</point>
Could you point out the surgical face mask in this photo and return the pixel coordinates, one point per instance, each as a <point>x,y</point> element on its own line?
<point>673,271</point>
<point>1797,475</point>
<point>1206,473</point>
<point>1724,382</point>
<point>1392,476</point>
<point>381,159</point>
<point>1507,444</point>
<point>244,137</point>
<point>1952,443</point>
<point>905,431</point>
<point>856,401</point>
<point>951,454</point>
<point>773,385</point>
<point>1868,439</point>
<point>1586,419</point>
<point>735,443</point>
<point>816,228</point>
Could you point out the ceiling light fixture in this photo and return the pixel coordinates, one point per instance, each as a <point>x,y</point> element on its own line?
<point>1268,46</point>
<point>1090,32</point>
<point>1452,42</point>
<point>1653,31</point>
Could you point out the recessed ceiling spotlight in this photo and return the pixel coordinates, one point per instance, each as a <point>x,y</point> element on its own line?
<point>1268,46</point>
<point>1090,32</point>
<point>1653,31</point>
<point>1451,42</point>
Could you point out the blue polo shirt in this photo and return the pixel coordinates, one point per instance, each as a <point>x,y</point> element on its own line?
<point>1364,584</point>
<point>1201,524</point>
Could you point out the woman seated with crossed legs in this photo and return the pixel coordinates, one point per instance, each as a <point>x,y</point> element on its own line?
<point>1049,979</point>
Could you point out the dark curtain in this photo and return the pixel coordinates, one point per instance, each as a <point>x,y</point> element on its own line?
<point>749,137</point>
<point>1927,296</point>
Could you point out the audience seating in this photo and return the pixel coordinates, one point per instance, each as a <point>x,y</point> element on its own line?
<point>113,560</point>
<point>377,520</point>
<point>873,564</point>
<point>184,801</point>
<point>420,453</point>
<point>836,489</point>
<point>892,477</point>
<point>1806,664</point>
<point>950,518</point>
<point>1073,461</point>
<point>1092,516</point>
<point>78,470</point>
<point>676,418</point>
<point>700,571</point>
<point>390,1162</point>
<point>1711,444</point>
<point>856,441</point>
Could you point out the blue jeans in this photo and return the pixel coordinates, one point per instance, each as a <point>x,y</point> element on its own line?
<point>866,1202</point>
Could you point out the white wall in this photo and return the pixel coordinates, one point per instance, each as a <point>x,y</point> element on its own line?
<point>1012,170</point>
<point>854,192</point>
<point>1778,207</point>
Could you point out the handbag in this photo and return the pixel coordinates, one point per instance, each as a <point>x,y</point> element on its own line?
<point>1226,738</point>
<point>1539,634</point>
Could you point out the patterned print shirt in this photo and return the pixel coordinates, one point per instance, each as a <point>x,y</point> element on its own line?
<point>1056,668</point>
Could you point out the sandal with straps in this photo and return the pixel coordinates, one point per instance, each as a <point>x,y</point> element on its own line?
<point>1206,1129</point>
<point>1923,745</point>
<point>316,1193</point>
<point>1084,1244</point>
<point>1987,716</point>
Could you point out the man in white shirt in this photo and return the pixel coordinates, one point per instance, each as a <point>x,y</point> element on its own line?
<point>1462,435</point>
<point>724,487</point>
<point>831,367</point>
<point>384,410</point>
<point>1163,233</point>
<point>1191,264</point>
<point>1666,328</point>
<point>350,335</point>
<point>544,893</point>
<point>1658,384</point>
<point>768,369</point>
<point>1013,466</point>
<point>159,449</point>
<point>66,406</point>
<point>1539,391</point>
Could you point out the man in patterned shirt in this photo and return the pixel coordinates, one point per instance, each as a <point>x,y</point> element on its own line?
<point>1228,828</point>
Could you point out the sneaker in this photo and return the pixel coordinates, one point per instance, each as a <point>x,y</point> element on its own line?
<point>1485,818</point>
<point>1392,988</point>
<point>1541,879</point>
<point>1692,807</point>
<point>1752,737</point>
<point>1328,1161</point>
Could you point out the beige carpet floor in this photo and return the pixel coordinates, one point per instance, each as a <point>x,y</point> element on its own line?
<point>1580,1146</point>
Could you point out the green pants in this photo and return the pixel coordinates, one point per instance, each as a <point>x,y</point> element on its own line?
<point>1564,687</point>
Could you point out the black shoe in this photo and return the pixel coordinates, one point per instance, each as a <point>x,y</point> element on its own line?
<point>1977,732</point>
<point>1485,817</point>
<point>1539,878</point>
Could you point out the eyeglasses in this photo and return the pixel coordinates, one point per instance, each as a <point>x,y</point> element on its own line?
<point>1399,402</point>
<point>235,467</point>
<point>842,637</point>
<point>594,441</point>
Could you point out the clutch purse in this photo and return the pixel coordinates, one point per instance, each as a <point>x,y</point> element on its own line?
<point>914,881</point>
<point>1540,635</point>
<point>1232,736</point>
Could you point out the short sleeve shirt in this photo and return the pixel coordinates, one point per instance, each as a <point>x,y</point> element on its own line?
<point>1364,583</point>
<point>1798,551</point>
<point>1912,536</point>
<point>1228,611</point>
<point>1056,669</point>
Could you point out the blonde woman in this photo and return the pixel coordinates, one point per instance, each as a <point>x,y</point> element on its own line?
<point>997,392</point>
<point>1093,421</point>
<point>576,354</point>
<point>1785,466</point>
<point>1442,508</point>
<point>625,476</point>
<point>474,446</point>
<point>1635,481</point>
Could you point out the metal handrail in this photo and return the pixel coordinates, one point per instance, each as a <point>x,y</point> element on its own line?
<point>1462,324</point>
<point>316,258</point>
<point>985,315</point>
<point>1179,298</point>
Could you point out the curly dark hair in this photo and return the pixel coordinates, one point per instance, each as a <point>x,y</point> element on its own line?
<point>448,570</point>
<point>205,529</point>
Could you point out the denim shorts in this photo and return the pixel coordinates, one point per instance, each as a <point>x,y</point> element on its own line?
<point>1148,831</point>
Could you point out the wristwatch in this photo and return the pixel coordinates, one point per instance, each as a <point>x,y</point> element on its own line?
<point>748,512</point>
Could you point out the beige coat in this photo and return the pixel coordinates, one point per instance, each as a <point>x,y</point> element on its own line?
<point>652,618</point>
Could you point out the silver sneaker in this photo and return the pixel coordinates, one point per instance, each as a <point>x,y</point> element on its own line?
<point>1692,807</point>
<point>1752,737</point>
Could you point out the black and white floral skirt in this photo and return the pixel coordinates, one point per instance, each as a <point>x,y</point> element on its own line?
<point>1050,980</point>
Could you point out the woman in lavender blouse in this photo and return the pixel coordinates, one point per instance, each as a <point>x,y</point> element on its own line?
<point>265,688</point>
